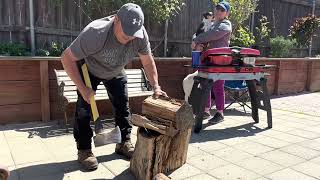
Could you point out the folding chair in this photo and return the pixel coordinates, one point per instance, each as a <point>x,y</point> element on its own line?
<point>238,91</point>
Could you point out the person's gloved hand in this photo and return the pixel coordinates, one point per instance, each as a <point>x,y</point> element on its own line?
<point>158,92</point>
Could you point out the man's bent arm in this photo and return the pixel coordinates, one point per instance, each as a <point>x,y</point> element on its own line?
<point>150,69</point>
<point>68,61</point>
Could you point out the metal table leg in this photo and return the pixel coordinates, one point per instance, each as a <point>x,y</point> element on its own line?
<point>260,99</point>
<point>265,98</point>
<point>254,101</point>
<point>199,98</point>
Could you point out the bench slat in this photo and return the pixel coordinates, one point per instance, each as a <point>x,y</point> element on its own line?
<point>129,84</point>
<point>101,86</point>
<point>133,71</point>
<point>73,99</point>
<point>71,83</point>
<point>134,76</point>
<point>103,91</point>
<point>62,73</point>
<point>137,86</point>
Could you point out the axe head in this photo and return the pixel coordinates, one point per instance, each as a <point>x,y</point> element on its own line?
<point>107,137</point>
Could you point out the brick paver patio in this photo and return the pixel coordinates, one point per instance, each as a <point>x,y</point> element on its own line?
<point>234,149</point>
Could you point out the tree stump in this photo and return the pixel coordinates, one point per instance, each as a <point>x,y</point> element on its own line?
<point>156,153</point>
<point>162,139</point>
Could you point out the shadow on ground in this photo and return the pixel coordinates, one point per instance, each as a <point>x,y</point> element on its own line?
<point>212,134</point>
<point>58,171</point>
<point>50,129</point>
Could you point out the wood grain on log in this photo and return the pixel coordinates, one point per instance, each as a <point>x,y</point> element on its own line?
<point>143,122</point>
<point>178,112</point>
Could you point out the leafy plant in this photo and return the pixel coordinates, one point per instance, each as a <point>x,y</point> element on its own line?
<point>303,29</point>
<point>263,30</point>
<point>55,49</point>
<point>42,52</point>
<point>157,10</point>
<point>13,49</point>
<point>280,46</point>
<point>242,37</point>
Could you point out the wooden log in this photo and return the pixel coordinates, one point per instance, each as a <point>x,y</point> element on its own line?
<point>171,153</point>
<point>142,162</point>
<point>178,150</point>
<point>142,121</point>
<point>156,153</point>
<point>176,111</point>
<point>154,125</point>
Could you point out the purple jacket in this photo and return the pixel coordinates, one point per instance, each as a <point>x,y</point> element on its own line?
<point>218,36</point>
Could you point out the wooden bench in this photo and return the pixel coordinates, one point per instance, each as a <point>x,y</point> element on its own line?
<point>138,85</point>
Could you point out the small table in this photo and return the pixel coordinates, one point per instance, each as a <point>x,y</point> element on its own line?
<point>203,83</point>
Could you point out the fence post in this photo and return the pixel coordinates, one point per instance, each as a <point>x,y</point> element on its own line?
<point>32,35</point>
<point>277,78</point>
<point>44,83</point>
<point>166,38</point>
<point>309,75</point>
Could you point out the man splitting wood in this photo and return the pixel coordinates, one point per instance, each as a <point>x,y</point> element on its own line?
<point>107,45</point>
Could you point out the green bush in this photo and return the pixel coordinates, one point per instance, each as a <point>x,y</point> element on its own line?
<point>42,52</point>
<point>157,10</point>
<point>280,46</point>
<point>13,49</point>
<point>55,49</point>
<point>303,29</point>
<point>242,37</point>
<point>262,31</point>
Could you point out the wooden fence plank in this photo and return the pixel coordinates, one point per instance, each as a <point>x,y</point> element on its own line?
<point>44,81</point>
<point>19,92</point>
<point>20,113</point>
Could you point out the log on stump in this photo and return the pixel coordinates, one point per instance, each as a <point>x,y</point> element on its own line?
<point>156,153</point>
<point>144,122</point>
<point>158,125</point>
<point>176,111</point>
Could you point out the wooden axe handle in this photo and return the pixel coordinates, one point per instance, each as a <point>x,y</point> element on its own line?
<point>87,81</point>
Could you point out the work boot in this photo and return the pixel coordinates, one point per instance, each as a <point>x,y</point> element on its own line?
<point>125,148</point>
<point>87,160</point>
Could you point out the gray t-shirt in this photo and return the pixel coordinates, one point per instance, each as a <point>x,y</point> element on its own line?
<point>104,55</point>
<point>218,35</point>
